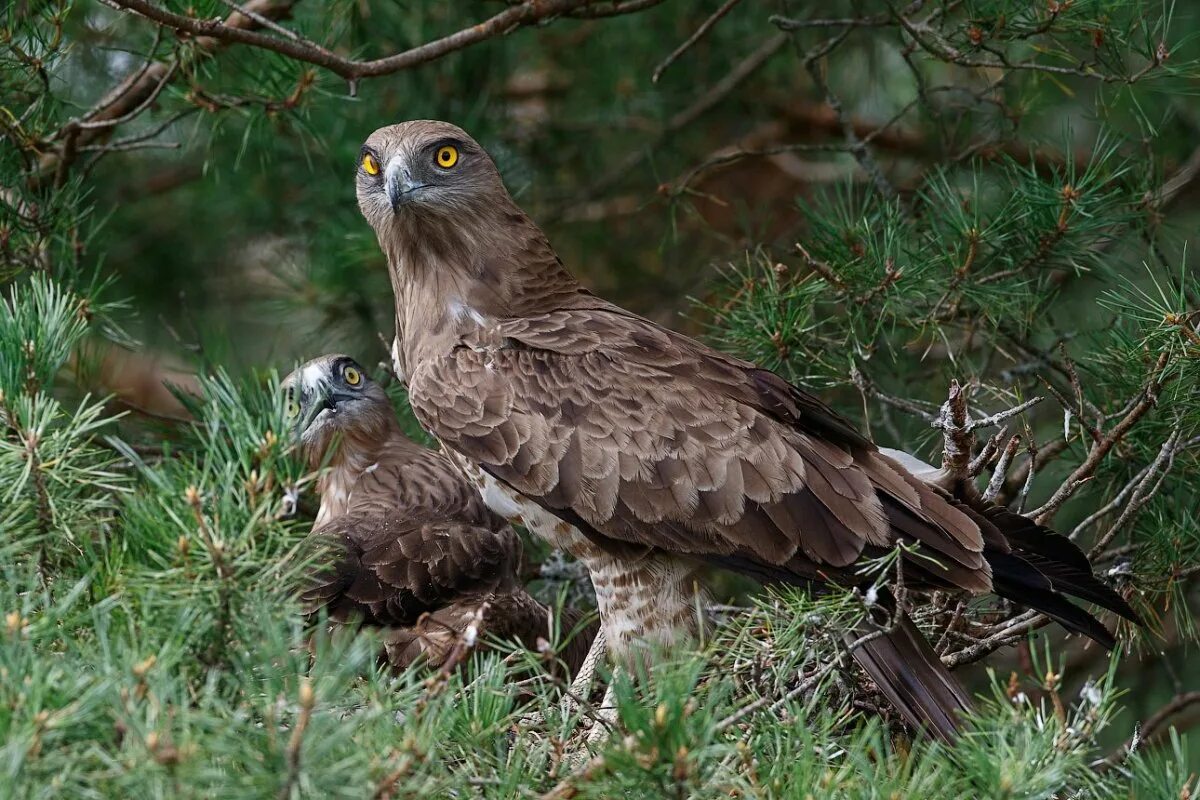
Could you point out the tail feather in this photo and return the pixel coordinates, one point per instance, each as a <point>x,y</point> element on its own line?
<point>1083,585</point>
<point>1060,560</point>
<point>1038,568</point>
<point>912,677</point>
<point>1017,580</point>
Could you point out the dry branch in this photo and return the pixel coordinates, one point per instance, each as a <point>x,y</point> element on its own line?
<point>704,28</point>
<point>958,431</point>
<point>1142,403</point>
<point>516,16</point>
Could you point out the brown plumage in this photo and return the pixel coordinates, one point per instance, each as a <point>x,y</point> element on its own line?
<point>401,541</point>
<point>646,453</point>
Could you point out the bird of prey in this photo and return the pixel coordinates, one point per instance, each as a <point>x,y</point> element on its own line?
<point>648,454</point>
<point>406,544</point>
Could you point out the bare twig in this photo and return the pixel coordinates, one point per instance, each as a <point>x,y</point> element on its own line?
<point>1012,630</point>
<point>1146,399</point>
<point>1001,470</point>
<point>266,22</point>
<point>1001,416</point>
<point>987,453</point>
<point>856,146</point>
<point>865,385</point>
<point>958,440</point>
<point>931,41</point>
<point>704,28</point>
<point>110,122</point>
<point>814,120</point>
<point>728,156</point>
<point>1031,463</point>
<point>132,80</point>
<point>598,9</point>
<point>726,86</point>
<point>1111,505</point>
<point>958,429</point>
<point>1143,491</point>
<point>123,144</point>
<point>1039,457</point>
<point>1173,186</point>
<point>698,108</point>
<point>296,741</point>
<point>885,18</point>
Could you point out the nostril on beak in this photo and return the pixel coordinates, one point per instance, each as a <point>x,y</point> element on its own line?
<point>398,183</point>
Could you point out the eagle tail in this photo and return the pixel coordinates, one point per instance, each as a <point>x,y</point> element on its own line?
<point>912,677</point>
<point>1065,567</point>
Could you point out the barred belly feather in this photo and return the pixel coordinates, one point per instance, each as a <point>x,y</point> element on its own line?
<point>656,599</point>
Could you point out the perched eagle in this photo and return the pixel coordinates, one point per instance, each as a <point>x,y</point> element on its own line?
<point>406,544</point>
<point>649,455</point>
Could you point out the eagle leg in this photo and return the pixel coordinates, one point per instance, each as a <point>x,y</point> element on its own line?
<point>606,715</point>
<point>581,685</point>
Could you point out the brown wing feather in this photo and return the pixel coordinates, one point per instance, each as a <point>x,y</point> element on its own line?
<point>390,571</point>
<point>643,436</point>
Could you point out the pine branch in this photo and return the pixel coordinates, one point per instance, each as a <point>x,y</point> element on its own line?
<point>136,93</point>
<point>524,14</point>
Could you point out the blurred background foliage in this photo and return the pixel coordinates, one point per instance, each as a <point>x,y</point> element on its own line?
<point>873,198</point>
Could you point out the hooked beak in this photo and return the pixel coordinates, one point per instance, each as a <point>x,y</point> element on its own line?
<point>324,398</point>
<point>399,185</point>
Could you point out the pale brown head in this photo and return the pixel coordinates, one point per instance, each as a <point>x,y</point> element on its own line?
<point>333,395</point>
<point>459,250</point>
<point>424,169</point>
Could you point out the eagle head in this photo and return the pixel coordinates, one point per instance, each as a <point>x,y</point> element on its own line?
<point>333,395</point>
<point>424,169</point>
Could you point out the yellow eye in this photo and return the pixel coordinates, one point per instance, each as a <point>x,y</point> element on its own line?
<point>370,165</point>
<point>447,156</point>
<point>352,376</point>
<point>293,408</point>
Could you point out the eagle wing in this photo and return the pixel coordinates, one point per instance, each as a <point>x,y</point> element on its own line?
<point>391,569</point>
<point>643,437</point>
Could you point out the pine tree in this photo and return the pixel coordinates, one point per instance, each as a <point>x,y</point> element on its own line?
<point>964,224</point>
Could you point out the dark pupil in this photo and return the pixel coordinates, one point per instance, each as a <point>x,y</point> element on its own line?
<point>445,155</point>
